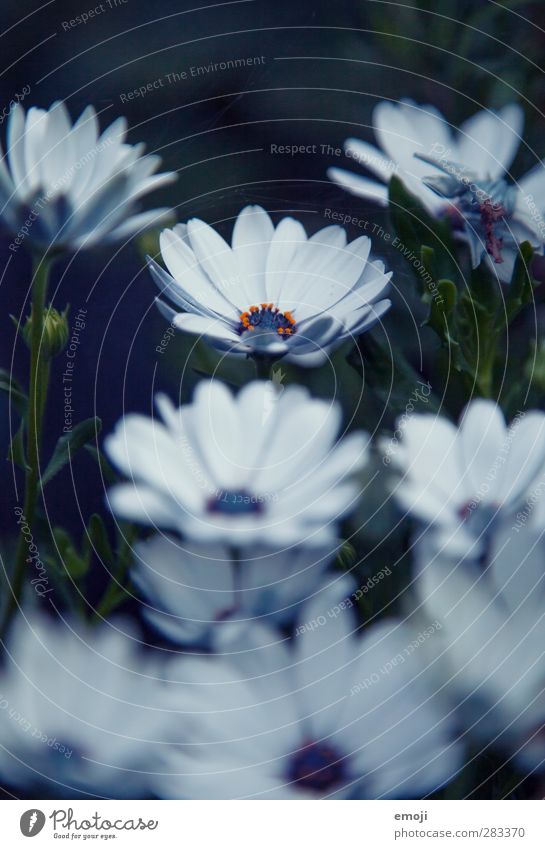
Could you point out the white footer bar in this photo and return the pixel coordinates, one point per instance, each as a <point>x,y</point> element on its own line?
<point>274,825</point>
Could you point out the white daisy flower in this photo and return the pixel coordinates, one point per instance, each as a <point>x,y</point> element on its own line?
<point>489,655</point>
<point>80,711</point>
<point>258,468</point>
<point>192,590</point>
<point>66,186</point>
<point>275,292</point>
<point>463,481</point>
<point>484,145</point>
<point>493,217</point>
<point>327,715</point>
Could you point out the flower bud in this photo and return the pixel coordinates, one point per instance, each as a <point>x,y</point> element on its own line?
<point>54,335</point>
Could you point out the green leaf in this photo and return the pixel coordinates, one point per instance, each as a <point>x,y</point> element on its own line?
<point>477,331</point>
<point>106,469</point>
<point>415,227</point>
<point>391,377</point>
<point>74,565</point>
<point>108,604</point>
<point>347,555</point>
<point>68,445</point>
<point>16,450</point>
<point>521,288</point>
<point>442,297</point>
<point>98,536</point>
<point>441,315</point>
<point>429,273</point>
<point>11,387</point>
<point>62,539</point>
<point>407,214</point>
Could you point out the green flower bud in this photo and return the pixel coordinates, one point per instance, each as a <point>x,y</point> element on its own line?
<point>55,332</point>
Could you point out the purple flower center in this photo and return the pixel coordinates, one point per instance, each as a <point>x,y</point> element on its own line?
<point>491,213</point>
<point>235,503</point>
<point>267,317</point>
<point>317,767</point>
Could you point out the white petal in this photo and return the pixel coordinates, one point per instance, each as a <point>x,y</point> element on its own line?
<point>431,456</point>
<point>84,135</point>
<point>358,185</point>
<point>213,777</point>
<point>36,121</point>
<point>218,261</point>
<point>374,314</point>
<point>299,444</point>
<point>402,735</point>
<point>518,570</point>
<point>325,273</point>
<point>186,586</point>
<point>211,328</point>
<point>143,504</point>
<point>324,657</point>
<point>145,450</point>
<point>137,224</point>
<point>483,439</point>
<point>312,360</point>
<point>184,266</point>
<point>315,268</point>
<point>315,334</point>
<point>57,159</point>
<point>252,234</point>
<point>489,140</point>
<point>524,455</point>
<point>533,184</point>
<point>216,424</point>
<point>406,128</point>
<point>370,157</point>
<point>15,148</point>
<point>287,239</point>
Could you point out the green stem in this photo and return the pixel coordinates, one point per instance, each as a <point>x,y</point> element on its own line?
<point>485,370</point>
<point>113,595</point>
<point>263,366</point>
<point>41,391</point>
<point>115,591</point>
<point>39,374</point>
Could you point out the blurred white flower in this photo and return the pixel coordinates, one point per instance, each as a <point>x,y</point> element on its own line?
<point>192,590</point>
<point>463,481</point>
<point>489,655</point>
<point>66,187</point>
<point>484,145</point>
<point>275,292</point>
<point>273,719</point>
<point>80,711</point>
<point>218,470</point>
<point>493,217</point>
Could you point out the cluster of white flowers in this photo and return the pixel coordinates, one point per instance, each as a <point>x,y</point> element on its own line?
<point>266,717</point>
<point>480,574</point>
<point>245,493</point>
